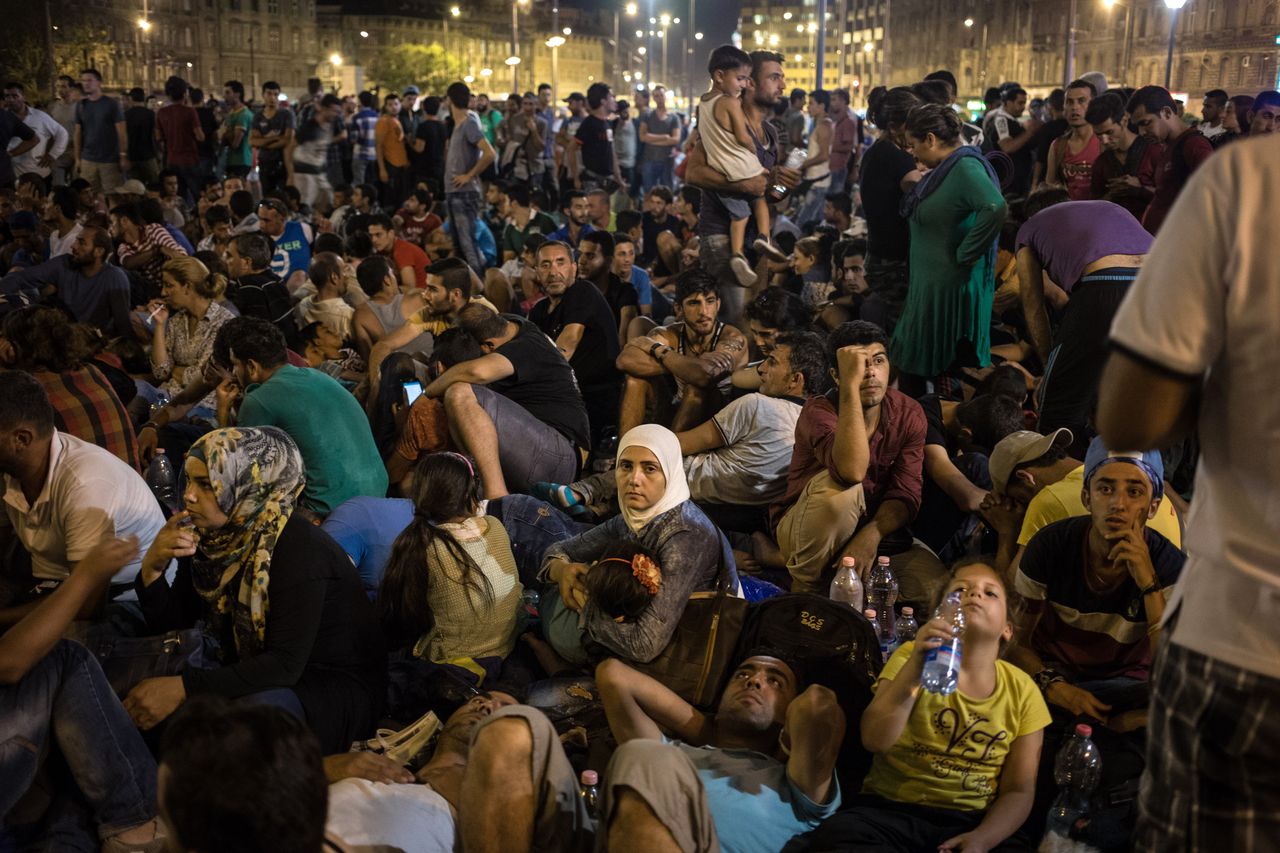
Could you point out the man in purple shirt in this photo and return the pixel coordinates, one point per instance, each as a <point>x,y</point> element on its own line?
<point>1092,250</point>
<point>855,475</point>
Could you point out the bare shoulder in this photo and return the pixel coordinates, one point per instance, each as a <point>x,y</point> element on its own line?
<point>732,340</point>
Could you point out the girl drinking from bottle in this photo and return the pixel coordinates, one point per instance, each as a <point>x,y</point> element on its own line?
<point>954,771</point>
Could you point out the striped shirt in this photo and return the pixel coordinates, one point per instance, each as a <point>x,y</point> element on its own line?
<point>364,134</point>
<point>1083,633</point>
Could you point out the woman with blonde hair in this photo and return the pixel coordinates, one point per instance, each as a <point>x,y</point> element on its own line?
<point>187,318</point>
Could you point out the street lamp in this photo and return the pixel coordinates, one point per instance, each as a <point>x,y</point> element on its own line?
<point>968,22</point>
<point>364,34</point>
<point>335,59</point>
<point>454,12</point>
<point>515,43</point>
<point>631,10</point>
<point>1174,6</point>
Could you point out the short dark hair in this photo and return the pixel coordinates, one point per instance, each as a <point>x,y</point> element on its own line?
<point>1004,379</point>
<point>241,203</point>
<point>603,239</point>
<point>809,357</point>
<point>726,57</point>
<point>454,274</point>
<point>129,211</point>
<point>1011,93</point>
<point>380,219</point>
<point>459,94</point>
<point>822,96</point>
<point>431,105</point>
<point>235,86</point>
<point>695,281</point>
<point>256,248</point>
<point>1043,198</point>
<point>567,200</point>
<point>24,402</point>
<point>893,107</point>
<point>481,322</point>
<point>596,93</point>
<point>841,201</point>
<point>254,339</point>
<point>842,93</point>
<point>328,242</point>
<point>175,88</point>
<point>797,94</point>
<point>372,273</point>
<point>324,266</point>
<point>271,84</point>
<point>243,776</point>
<point>1269,98</point>
<point>454,346</point>
<point>1219,95</point>
<point>331,100</point>
<point>1108,105</point>
<point>760,58</point>
<point>854,333</point>
<point>1153,99</point>
<point>92,72</point>
<point>518,194</point>
<point>990,418</point>
<point>367,99</point>
<point>1083,84</point>
<point>628,219</point>
<point>776,308</point>
<point>944,76</point>
<point>661,192</point>
<point>67,201</point>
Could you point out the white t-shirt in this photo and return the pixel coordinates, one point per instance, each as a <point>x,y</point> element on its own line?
<point>366,815</point>
<point>61,244</point>
<point>90,494</point>
<point>759,433</point>
<point>1208,302</point>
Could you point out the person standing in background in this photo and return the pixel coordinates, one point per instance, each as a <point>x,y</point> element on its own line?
<point>235,130</point>
<point>140,128</point>
<point>63,110</point>
<point>272,134</point>
<point>178,129</point>
<point>101,146</point>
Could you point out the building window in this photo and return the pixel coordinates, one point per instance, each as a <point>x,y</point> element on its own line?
<point>273,39</point>
<point>273,7</point>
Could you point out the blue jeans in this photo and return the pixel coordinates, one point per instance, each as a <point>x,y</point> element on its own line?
<point>359,167</point>
<point>66,699</point>
<point>533,526</point>
<point>810,212</point>
<point>464,210</point>
<point>655,173</point>
<point>279,697</point>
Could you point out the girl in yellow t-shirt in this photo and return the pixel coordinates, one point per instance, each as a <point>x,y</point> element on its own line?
<point>953,772</point>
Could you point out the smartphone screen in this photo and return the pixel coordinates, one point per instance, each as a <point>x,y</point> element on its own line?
<point>412,391</point>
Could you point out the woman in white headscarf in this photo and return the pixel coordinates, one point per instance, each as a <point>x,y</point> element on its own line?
<point>658,515</point>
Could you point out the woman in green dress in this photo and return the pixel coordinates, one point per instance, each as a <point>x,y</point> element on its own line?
<point>955,213</point>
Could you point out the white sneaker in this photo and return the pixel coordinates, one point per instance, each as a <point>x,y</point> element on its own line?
<point>742,271</point>
<point>766,247</point>
<point>404,745</point>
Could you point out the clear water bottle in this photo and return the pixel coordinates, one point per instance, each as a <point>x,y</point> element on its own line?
<point>1077,770</point>
<point>163,481</point>
<point>590,792</point>
<point>847,586</point>
<point>871,617</point>
<point>162,400</point>
<point>907,626</point>
<point>882,593</point>
<point>942,665</point>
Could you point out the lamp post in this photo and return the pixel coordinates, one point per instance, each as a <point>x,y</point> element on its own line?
<point>631,10</point>
<point>665,20</point>
<point>454,12</point>
<point>822,44</point>
<point>1173,6</point>
<point>514,59</point>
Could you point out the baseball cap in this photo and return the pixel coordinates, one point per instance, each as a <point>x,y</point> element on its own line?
<point>411,90</point>
<point>1150,463</point>
<point>1019,447</point>
<point>575,96</point>
<point>133,186</point>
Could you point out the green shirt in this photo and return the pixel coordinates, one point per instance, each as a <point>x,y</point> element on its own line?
<point>239,155</point>
<point>330,429</point>
<point>489,123</point>
<point>513,238</point>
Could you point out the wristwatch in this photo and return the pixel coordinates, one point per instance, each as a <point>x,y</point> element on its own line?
<point>1047,676</point>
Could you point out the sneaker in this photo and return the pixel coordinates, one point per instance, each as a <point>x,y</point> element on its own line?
<point>742,271</point>
<point>766,248</point>
<point>405,745</point>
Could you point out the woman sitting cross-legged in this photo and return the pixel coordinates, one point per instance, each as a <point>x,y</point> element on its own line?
<point>283,600</point>
<point>656,514</point>
<point>450,592</point>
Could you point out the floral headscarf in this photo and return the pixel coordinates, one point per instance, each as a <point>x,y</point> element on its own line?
<point>256,476</point>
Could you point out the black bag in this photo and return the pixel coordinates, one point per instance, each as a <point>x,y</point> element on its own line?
<point>696,663</point>
<point>126,661</point>
<point>837,648</point>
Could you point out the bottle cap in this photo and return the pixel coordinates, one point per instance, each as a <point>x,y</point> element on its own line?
<point>590,777</point>
<point>908,611</point>
<point>869,613</point>
<point>882,561</point>
<point>1084,730</point>
<point>848,561</point>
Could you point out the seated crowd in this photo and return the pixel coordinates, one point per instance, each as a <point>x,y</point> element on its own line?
<point>459,457</point>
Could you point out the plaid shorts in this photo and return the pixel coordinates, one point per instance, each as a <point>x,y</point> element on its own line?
<point>1212,780</point>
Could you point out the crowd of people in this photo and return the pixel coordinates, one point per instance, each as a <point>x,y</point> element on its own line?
<point>324,422</point>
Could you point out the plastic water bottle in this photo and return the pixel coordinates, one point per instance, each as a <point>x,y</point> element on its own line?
<point>871,617</point>
<point>590,792</point>
<point>163,481</point>
<point>907,626</point>
<point>942,665</point>
<point>847,586</point>
<point>882,592</point>
<point>1077,770</point>
<point>162,400</point>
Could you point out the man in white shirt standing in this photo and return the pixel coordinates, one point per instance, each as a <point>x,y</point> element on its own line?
<point>63,497</point>
<point>53,137</point>
<point>1191,342</point>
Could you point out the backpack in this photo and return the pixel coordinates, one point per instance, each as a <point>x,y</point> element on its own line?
<point>838,649</point>
<point>270,301</point>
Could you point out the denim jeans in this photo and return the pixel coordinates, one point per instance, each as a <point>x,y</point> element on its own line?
<point>655,173</point>
<point>533,526</point>
<point>66,700</point>
<point>464,210</point>
<point>359,168</point>
<point>713,255</point>
<point>810,212</point>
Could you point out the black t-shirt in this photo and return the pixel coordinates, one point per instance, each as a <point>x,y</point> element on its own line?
<point>436,136</point>
<point>208,124</point>
<point>596,141</point>
<point>1044,139</point>
<point>593,360</point>
<point>543,382</point>
<point>651,228</point>
<point>935,430</point>
<point>11,127</point>
<point>883,168</point>
<point>280,122</point>
<point>140,128</point>
<point>620,295</point>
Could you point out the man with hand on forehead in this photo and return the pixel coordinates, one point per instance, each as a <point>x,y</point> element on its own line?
<point>1095,590</point>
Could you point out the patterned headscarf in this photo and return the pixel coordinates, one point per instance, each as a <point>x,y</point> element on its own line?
<point>256,476</point>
